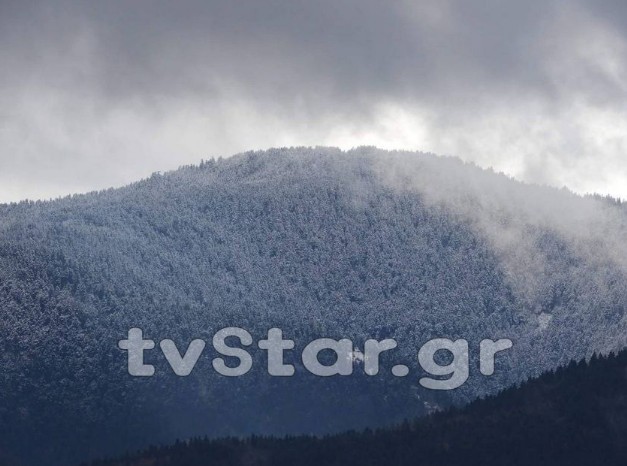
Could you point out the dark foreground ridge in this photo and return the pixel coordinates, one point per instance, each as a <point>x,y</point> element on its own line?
<point>574,416</point>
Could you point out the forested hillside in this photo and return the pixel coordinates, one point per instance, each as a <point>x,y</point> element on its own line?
<point>318,242</point>
<point>575,416</point>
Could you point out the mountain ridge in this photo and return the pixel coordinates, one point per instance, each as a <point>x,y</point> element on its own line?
<point>574,415</point>
<point>318,242</point>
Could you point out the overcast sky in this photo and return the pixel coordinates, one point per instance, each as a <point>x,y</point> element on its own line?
<point>101,93</point>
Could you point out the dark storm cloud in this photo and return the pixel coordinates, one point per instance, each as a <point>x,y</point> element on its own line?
<point>314,68</point>
<point>342,50</point>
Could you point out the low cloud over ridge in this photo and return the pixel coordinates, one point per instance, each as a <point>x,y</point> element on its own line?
<point>100,94</point>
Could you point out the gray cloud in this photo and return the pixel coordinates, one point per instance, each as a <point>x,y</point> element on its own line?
<point>95,94</point>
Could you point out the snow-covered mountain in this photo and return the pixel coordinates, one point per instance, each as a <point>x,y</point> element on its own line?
<point>318,242</point>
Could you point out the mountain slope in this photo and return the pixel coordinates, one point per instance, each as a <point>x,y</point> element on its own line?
<point>575,416</point>
<point>318,242</point>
